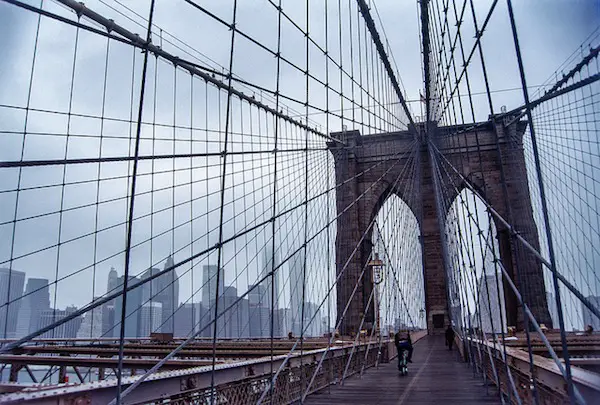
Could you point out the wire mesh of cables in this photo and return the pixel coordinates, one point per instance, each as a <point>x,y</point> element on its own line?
<point>180,180</point>
<point>517,204</point>
<point>397,243</point>
<point>566,128</point>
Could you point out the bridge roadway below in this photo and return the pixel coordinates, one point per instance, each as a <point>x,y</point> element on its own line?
<point>435,376</point>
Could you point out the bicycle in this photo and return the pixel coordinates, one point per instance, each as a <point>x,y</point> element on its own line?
<point>403,364</point>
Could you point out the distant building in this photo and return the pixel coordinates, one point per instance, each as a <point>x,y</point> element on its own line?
<point>67,330</point>
<point>296,270</point>
<point>204,322</point>
<point>327,327</point>
<point>270,262</point>
<point>259,316</point>
<point>209,284</point>
<point>11,289</point>
<point>552,309</point>
<point>489,301</point>
<point>108,320</point>
<point>312,320</point>
<point>113,281</point>
<point>588,317</point>
<point>232,323</point>
<point>35,300</point>
<point>108,308</point>
<point>209,297</point>
<point>187,318</point>
<point>132,315</point>
<point>283,321</point>
<point>91,326</point>
<point>151,304</point>
<point>164,290</point>
<point>150,318</point>
<point>259,324</point>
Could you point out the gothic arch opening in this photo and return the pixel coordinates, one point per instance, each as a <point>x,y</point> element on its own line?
<point>396,241</point>
<point>475,286</point>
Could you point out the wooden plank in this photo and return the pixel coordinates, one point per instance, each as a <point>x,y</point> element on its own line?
<point>436,376</point>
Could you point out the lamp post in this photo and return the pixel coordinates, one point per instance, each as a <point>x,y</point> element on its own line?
<point>376,265</point>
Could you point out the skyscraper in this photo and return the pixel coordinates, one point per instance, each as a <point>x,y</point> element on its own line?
<point>113,280</point>
<point>170,297</point>
<point>233,321</point>
<point>66,330</point>
<point>187,318</point>
<point>552,309</point>
<point>491,307</point>
<point>108,309</point>
<point>205,319</point>
<point>150,318</point>
<point>11,289</point>
<point>270,262</point>
<point>108,320</point>
<point>91,326</point>
<point>258,313</point>
<point>588,317</point>
<point>151,291</point>
<point>283,321</point>
<point>209,284</point>
<point>312,320</point>
<point>164,290</point>
<point>296,268</point>
<point>132,317</point>
<point>36,299</point>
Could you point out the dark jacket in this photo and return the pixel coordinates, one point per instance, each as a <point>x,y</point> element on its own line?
<point>449,335</point>
<point>402,338</point>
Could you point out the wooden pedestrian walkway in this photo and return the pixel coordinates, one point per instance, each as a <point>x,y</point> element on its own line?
<point>436,376</point>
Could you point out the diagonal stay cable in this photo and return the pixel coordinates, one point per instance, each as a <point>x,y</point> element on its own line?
<point>528,313</point>
<point>109,297</point>
<point>365,312</point>
<point>519,237</point>
<point>338,277</point>
<point>369,226</point>
<point>264,278</point>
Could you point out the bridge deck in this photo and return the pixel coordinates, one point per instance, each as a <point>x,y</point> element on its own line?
<point>435,376</point>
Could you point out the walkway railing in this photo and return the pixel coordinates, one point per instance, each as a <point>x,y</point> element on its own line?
<point>239,382</point>
<point>550,383</point>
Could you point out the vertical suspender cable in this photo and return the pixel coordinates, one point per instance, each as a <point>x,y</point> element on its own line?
<point>131,208</point>
<point>538,169</point>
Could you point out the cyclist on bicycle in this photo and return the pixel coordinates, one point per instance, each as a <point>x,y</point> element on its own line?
<point>403,342</point>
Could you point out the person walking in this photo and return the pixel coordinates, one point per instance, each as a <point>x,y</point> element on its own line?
<point>449,337</point>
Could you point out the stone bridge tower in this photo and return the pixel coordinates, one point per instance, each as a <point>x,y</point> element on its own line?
<point>370,168</point>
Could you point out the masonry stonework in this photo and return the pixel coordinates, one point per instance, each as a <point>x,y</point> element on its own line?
<point>371,168</point>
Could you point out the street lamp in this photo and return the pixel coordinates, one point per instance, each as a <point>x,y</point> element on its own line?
<point>376,265</point>
<point>377,269</point>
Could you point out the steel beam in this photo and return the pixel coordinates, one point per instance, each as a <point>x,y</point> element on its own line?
<point>167,384</point>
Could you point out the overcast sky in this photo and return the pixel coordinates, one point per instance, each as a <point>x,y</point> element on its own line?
<point>549,31</point>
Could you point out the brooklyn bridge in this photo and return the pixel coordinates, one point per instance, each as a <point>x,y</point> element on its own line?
<point>235,202</point>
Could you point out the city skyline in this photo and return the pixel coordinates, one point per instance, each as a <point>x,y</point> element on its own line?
<point>146,312</point>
